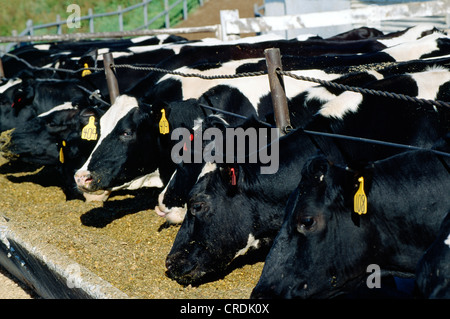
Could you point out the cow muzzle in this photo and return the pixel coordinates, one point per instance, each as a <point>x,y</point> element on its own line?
<point>85,184</point>
<point>174,215</point>
<point>183,271</point>
<point>84,181</point>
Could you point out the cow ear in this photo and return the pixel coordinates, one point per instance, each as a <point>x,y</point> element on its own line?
<point>316,168</point>
<point>88,112</point>
<point>146,108</point>
<point>157,107</point>
<point>365,173</point>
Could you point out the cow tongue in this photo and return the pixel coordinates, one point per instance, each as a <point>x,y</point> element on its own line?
<point>159,211</point>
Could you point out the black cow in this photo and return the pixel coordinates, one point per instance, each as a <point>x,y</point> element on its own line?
<point>324,248</point>
<point>252,209</point>
<point>54,138</point>
<point>32,97</point>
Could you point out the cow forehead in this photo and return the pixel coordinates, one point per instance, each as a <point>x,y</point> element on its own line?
<point>208,168</point>
<point>122,106</point>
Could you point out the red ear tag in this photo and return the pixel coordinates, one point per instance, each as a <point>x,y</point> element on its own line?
<point>233,176</point>
<point>191,137</point>
<point>18,101</point>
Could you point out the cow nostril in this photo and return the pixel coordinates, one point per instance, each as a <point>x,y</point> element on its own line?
<point>83,177</point>
<point>169,263</point>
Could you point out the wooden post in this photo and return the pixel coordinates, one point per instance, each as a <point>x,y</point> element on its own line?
<point>2,72</point>
<point>111,80</point>
<point>277,91</point>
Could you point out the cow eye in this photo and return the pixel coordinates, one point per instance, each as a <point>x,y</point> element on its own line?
<point>127,134</point>
<point>198,207</point>
<point>305,223</point>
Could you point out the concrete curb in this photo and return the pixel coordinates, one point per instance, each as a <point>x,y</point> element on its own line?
<point>47,271</point>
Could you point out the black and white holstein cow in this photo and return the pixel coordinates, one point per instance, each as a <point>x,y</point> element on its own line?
<point>32,97</point>
<point>251,212</point>
<point>325,249</point>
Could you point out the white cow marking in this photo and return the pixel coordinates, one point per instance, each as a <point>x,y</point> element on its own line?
<point>342,104</point>
<point>414,49</point>
<point>447,241</point>
<point>208,168</point>
<point>62,107</point>
<point>251,242</point>
<point>430,81</point>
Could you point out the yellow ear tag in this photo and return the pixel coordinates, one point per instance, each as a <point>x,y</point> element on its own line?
<point>163,123</point>
<point>86,72</point>
<point>61,152</point>
<point>89,132</point>
<point>360,199</point>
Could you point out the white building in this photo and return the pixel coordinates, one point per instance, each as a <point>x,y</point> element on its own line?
<point>292,7</point>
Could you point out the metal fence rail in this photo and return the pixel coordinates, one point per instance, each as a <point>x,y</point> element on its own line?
<point>232,27</point>
<point>90,17</point>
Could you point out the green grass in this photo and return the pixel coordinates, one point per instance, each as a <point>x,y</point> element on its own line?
<point>15,13</point>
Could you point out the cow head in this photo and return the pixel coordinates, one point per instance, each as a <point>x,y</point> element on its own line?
<point>41,139</point>
<point>322,247</point>
<point>23,96</point>
<point>173,199</point>
<point>127,148</point>
<point>201,249</point>
<point>232,209</point>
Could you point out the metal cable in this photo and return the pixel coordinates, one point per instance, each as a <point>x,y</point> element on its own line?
<point>397,96</point>
<point>325,83</point>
